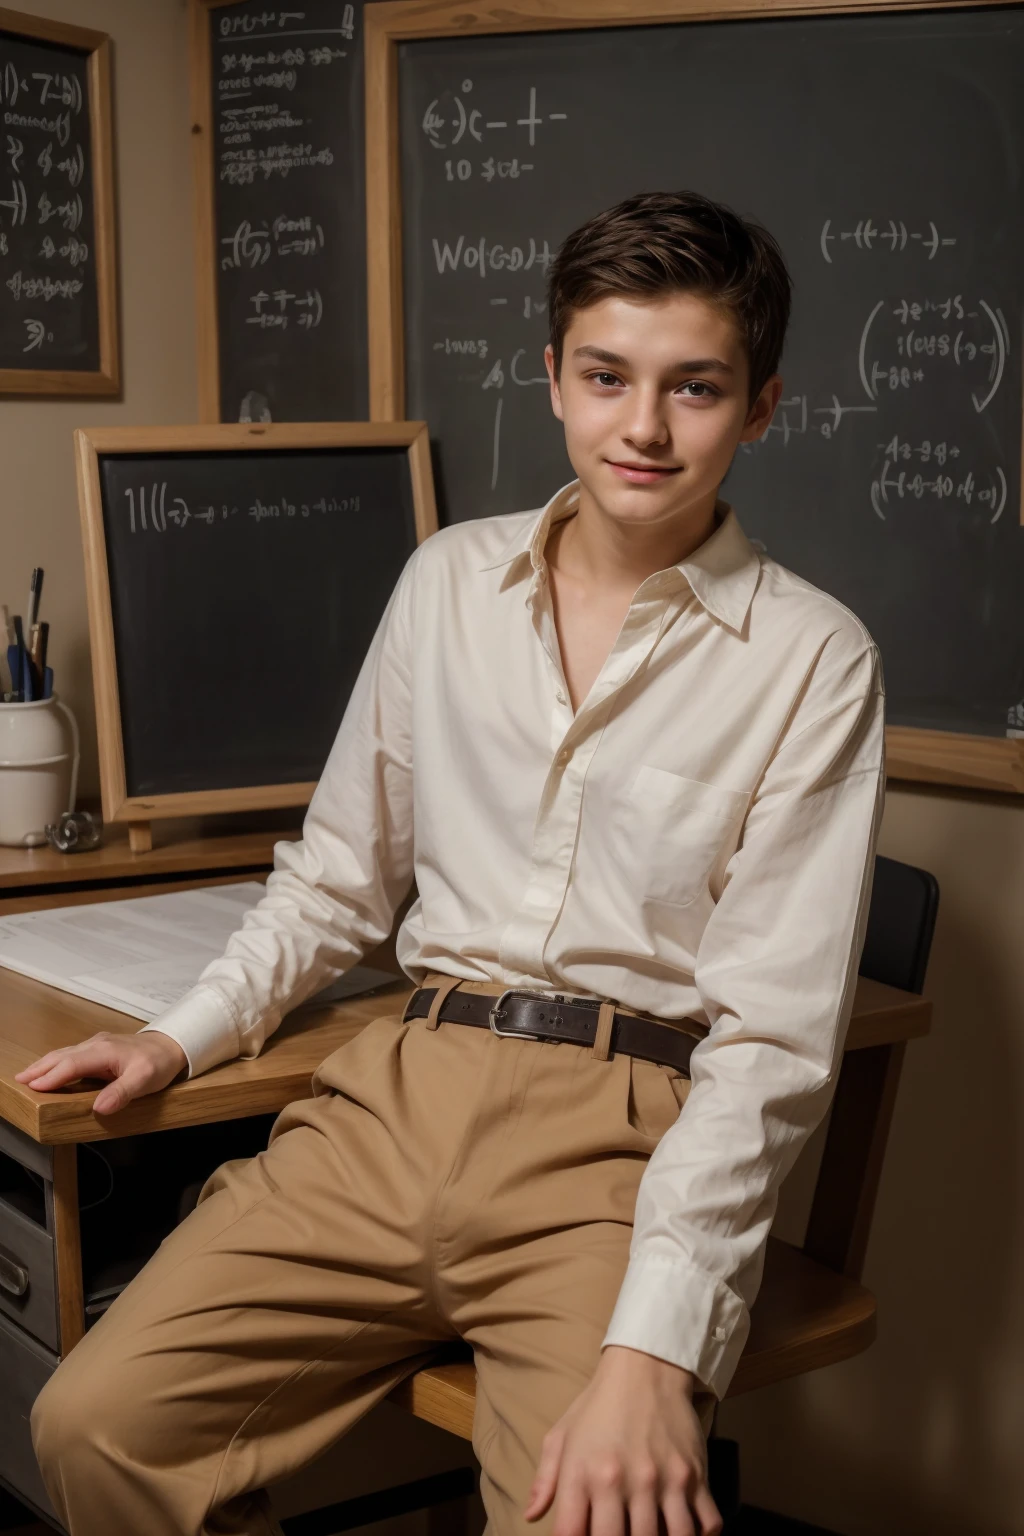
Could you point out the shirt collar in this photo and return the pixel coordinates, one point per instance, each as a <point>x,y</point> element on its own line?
<point>722,572</point>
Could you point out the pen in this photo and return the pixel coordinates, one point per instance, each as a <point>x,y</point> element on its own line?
<point>37,657</point>
<point>28,671</point>
<point>18,662</point>
<point>9,641</point>
<point>35,592</point>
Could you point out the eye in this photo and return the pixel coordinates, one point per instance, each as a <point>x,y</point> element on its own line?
<point>605,379</point>
<point>704,391</point>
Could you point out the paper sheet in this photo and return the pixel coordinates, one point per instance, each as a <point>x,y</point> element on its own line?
<point>143,954</point>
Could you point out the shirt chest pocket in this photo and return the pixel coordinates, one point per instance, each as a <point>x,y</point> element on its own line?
<point>678,828</point>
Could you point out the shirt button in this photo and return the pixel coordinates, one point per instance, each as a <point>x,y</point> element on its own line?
<point>719,1335</point>
<point>560,696</point>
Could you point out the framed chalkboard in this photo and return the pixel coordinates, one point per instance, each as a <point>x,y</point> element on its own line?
<point>58,281</point>
<point>278,143</point>
<point>883,150</point>
<point>235,577</point>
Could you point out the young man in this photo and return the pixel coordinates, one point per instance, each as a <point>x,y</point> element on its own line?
<point>636,771</point>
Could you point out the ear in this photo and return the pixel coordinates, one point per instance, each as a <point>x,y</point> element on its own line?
<point>759,417</point>
<point>556,393</point>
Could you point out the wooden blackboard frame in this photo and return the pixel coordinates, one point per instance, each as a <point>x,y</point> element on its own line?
<point>90,446</point>
<point>70,381</point>
<point>938,757</point>
<point>200,78</point>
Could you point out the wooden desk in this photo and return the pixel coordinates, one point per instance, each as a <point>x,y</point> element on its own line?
<point>199,851</point>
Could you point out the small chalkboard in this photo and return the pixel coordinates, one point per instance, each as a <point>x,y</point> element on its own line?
<point>882,149</point>
<point>236,576</point>
<point>58,286</point>
<point>278,126</point>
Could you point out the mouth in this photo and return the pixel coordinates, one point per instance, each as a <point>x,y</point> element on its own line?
<point>643,474</point>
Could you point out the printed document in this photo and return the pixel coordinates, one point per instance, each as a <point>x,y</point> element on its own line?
<point>141,955</point>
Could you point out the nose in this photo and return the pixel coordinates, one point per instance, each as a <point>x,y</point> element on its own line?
<point>647,425</point>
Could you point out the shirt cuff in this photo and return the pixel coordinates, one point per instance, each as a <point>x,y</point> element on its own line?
<point>203,1025</point>
<point>668,1308</point>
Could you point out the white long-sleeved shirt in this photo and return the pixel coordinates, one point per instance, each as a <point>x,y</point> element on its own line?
<point>696,841</point>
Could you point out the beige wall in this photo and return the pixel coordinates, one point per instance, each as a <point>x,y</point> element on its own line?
<point>920,1436</point>
<point>38,501</point>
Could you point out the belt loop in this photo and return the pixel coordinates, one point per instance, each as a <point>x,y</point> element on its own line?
<point>602,1047</point>
<point>440,998</point>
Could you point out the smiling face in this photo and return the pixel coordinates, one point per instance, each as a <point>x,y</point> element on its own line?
<point>654,397</point>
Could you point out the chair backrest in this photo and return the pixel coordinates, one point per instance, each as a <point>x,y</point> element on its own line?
<point>901,922</point>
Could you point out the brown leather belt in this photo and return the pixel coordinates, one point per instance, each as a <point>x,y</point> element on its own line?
<point>533,1016</point>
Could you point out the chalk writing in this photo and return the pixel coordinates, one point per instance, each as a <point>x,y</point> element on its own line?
<point>892,233</point>
<point>154,509</point>
<point>282,82</point>
<point>45,206</point>
<point>275,310</point>
<point>461,348</point>
<point>249,247</point>
<point>894,485</point>
<point>477,256</point>
<point>466,121</point>
<point>983,339</point>
<point>284,23</point>
<point>45,288</point>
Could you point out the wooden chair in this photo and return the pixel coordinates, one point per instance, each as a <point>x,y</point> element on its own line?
<point>811,1310</point>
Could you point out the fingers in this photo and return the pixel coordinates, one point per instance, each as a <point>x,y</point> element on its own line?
<point>643,1513</point>
<point>607,1512</point>
<point>546,1478</point>
<point>572,1512</point>
<point>133,1068</point>
<point>94,1058</point>
<point>28,1074</point>
<point>707,1512</point>
<point>131,1084</point>
<point>675,1507</point>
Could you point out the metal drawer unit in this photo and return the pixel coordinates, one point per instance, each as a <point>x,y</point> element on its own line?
<point>28,1279</point>
<point>25,1368</point>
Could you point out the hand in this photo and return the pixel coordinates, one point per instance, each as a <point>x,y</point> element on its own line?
<point>134,1065</point>
<point>629,1447</point>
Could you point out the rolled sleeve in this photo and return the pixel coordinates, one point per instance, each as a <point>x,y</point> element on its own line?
<point>776,972</point>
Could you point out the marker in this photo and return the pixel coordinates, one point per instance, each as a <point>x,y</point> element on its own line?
<point>35,592</point>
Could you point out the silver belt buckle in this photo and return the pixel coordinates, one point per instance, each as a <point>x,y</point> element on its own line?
<point>495,1013</point>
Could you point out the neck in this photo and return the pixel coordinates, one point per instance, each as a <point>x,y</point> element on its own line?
<point>596,549</point>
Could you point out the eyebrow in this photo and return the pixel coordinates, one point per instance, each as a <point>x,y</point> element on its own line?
<point>692,365</point>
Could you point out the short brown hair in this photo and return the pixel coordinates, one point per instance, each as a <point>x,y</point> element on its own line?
<point>660,242</point>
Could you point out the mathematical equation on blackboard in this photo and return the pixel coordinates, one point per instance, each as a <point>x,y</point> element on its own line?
<point>154,508</point>
<point>44,255</point>
<point>930,341</point>
<point>271,69</point>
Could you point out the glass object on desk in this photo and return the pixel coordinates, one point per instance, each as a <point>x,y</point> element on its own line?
<point>74,832</point>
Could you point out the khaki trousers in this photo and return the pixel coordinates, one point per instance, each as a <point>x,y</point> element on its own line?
<point>440,1183</point>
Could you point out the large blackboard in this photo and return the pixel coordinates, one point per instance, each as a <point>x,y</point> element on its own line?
<point>288,189</point>
<point>885,153</point>
<point>245,589</point>
<point>49,293</point>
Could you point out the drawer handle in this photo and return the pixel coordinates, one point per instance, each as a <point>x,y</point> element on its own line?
<point>13,1277</point>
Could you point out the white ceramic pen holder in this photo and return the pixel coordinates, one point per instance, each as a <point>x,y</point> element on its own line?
<point>38,769</point>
